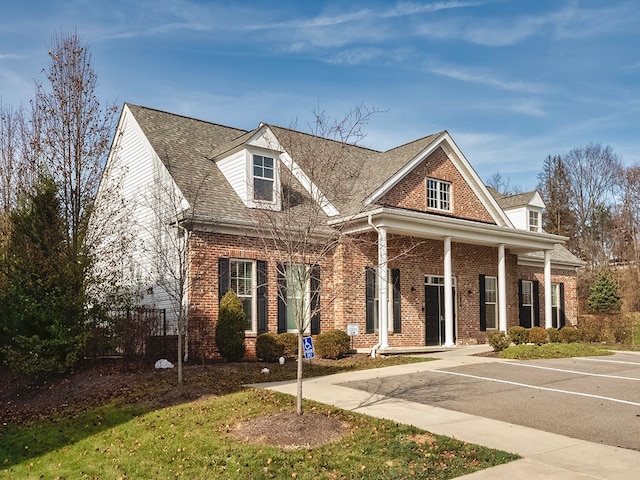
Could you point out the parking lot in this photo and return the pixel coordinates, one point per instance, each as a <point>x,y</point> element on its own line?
<point>595,399</point>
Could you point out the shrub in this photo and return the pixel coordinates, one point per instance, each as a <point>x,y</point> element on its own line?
<point>604,297</point>
<point>569,335</point>
<point>289,343</point>
<point>590,328</point>
<point>538,336</point>
<point>268,347</point>
<point>332,344</point>
<point>230,328</point>
<point>498,340</point>
<point>554,335</point>
<point>519,335</point>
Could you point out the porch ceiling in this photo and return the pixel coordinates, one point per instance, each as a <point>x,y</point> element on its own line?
<point>426,225</point>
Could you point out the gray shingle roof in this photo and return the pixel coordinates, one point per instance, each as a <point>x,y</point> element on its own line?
<point>512,201</point>
<point>346,174</point>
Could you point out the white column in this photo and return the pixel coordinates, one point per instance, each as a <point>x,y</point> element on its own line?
<point>547,289</point>
<point>383,289</point>
<point>448,295</point>
<point>502,289</point>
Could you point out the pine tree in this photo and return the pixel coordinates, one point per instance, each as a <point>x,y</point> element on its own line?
<point>42,318</point>
<point>604,296</point>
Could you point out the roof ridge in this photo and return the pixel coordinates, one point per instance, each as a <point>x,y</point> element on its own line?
<point>416,140</point>
<point>188,118</point>
<point>370,149</point>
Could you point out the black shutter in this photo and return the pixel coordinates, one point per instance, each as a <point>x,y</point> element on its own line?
<point>536,303</point>
<point>282,297</point>
<point>395,281</point>
<point>561,313</point>
<point>370,280</point>
<point>483,307</point>
<point>261,291</point>
<point>224,278</point>
<point>315,299</point>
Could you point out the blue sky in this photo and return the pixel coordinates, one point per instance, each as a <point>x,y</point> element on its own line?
<point>512,81</point>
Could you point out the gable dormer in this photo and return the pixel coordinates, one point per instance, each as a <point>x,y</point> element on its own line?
<point>251,165</point>
<point>523,209</point>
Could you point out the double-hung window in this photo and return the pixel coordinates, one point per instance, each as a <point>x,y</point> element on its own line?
<point>438,195</point>
<point>263,178</point>
<point>491,302</point>
<point>298,313</point>
<point>555,305</point>
<point>534,221</point>
<point>526,304</point>
<point>241,275</point>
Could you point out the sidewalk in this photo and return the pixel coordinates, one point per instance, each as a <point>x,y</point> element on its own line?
<point>545,455</point>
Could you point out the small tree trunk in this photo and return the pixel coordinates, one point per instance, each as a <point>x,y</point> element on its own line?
<point>299,391</point>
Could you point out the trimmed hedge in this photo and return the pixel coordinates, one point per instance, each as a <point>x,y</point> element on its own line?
<point>332,344</point>
<point>498,340</point>
<point>519,335</point>
<point>230,328</point>
<point>538,336</point>
<point>268,349</point>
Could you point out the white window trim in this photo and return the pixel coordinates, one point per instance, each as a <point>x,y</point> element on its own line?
<point>555,303</point>
<point>496,303</point>
<point>533,227</point>
<point>307,300</point>
<point>254,291</point>
<point>251,201</point>
<point>439,190</point>
<point>529,305</point>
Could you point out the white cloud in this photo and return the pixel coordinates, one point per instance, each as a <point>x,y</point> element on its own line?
<point>479,77</point>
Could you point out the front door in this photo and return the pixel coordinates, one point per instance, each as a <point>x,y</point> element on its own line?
<point>435,310</point>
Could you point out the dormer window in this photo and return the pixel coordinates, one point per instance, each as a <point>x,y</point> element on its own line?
<point>534,221</point>
<point>263,178</point>
<point>438,195</point>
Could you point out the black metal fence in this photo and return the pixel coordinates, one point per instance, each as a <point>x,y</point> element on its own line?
<point>139,333</point>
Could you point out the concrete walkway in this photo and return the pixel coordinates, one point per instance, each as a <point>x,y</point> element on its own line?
<point>545,455</point>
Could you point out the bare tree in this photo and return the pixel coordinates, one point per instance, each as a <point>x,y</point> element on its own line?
<point>594,174</point>
<point>315,177</point>
<point>503,184</point>
<point>553,184</point>
<point>72,130</point>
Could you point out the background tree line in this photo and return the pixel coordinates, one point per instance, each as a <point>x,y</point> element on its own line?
<point>593,199</point>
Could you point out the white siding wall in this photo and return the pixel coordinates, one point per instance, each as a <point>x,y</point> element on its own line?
<point>519,217</point>
<point>139,242</point>
<point>234,168</point>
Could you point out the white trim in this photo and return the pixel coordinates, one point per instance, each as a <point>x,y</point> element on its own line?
<point>448,295</point>
<point>547,289</point>
<point>502,289</point>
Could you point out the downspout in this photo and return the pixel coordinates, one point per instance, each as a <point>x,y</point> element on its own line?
<point>377,345</point>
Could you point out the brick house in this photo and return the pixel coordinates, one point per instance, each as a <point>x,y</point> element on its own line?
<point>421,252</point>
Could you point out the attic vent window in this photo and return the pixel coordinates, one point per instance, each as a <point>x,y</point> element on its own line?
<point>438,195</point>
<point>263,177</point>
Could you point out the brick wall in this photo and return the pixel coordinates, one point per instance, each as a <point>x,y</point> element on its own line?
<point>411,191</point>
<point>343,295</point>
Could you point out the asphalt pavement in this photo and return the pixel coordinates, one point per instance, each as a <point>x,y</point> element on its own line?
<point>538,410</point>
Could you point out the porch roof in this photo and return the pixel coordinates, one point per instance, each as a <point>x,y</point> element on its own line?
<point>428,225</point>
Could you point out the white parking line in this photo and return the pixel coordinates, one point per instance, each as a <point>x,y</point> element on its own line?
<point>617,377</point>
<point>535,387</point>
<point>637,364</point>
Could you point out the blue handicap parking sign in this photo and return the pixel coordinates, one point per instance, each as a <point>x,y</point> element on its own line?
<point>307,343</point>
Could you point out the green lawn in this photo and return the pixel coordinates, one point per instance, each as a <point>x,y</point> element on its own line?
<point>191,441</point>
